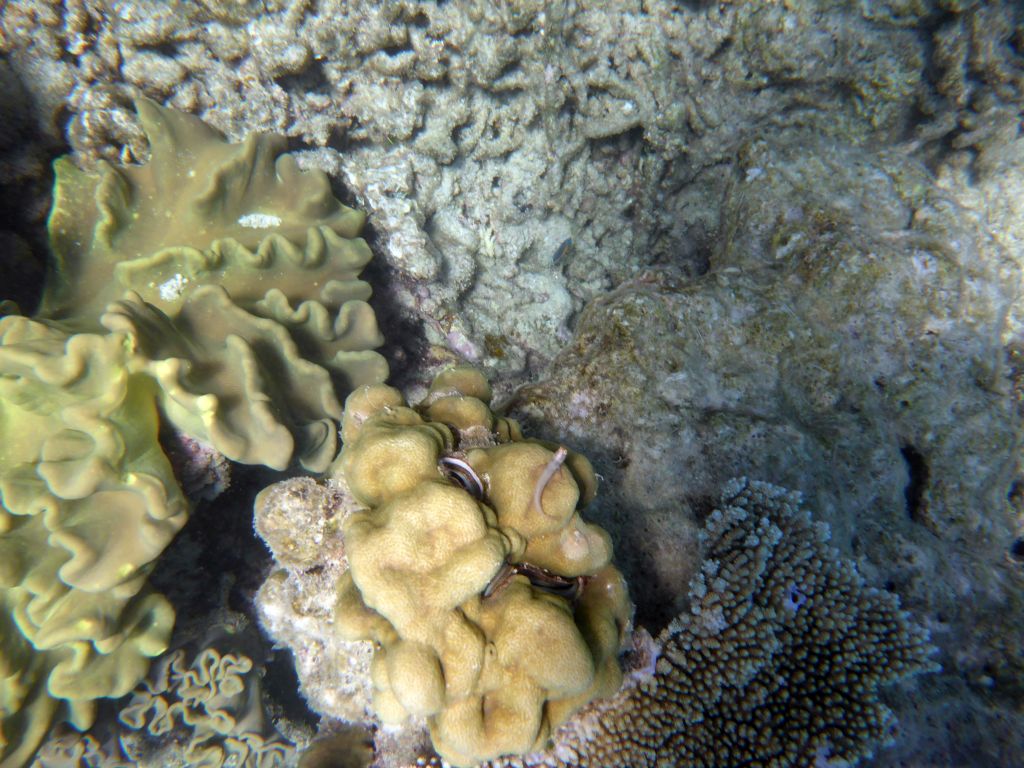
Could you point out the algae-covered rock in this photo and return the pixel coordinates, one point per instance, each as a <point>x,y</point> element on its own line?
<point>88,502</point>
<point>518,160</point>
<point>850,345</point>
<point>300,521</point>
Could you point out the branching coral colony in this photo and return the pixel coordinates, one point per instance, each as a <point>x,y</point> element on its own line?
<point>216,289</point>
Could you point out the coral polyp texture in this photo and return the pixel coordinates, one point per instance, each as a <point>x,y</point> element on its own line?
<point>236,275</point>
<point>493,606</point>
<point>777,662</point>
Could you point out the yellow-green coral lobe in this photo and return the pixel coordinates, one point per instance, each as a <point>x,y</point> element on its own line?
<point>200,210</point>
<point>236,276</point>
<point>214,289</point>
<point>491,659</point>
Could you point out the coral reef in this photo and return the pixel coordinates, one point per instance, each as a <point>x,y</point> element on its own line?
<point>780,657</point>
<point>70,749</point>
<point>202,210</point>
<point>851,346</point>
<point>234,380</point>
<point>491,604</point>
<point>808,214</point>
<point>300,521</point>
<point>493,654</point>
<point>778,660</point>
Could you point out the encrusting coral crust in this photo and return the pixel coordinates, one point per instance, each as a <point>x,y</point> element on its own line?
<point>495,608</point>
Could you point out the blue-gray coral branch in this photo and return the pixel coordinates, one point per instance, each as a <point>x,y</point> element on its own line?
<point>778,661</point>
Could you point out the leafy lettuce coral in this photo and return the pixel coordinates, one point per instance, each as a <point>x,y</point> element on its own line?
<point>214,288</point>
<point>212,708</point>
<point>88,501</point>
<point>235,274</point>
<point>233,379</point>
<point>201,210</point>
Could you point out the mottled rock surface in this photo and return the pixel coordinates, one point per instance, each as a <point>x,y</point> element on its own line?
<point>530,156</point>
<point>852,339</point>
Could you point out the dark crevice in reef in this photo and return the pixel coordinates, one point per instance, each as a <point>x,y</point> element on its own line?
<point>216,560</point>
<point>281,682</point>
<point>404,339</point>
<point>917,471</point>
<point>26,181</point>
<point>313,79</point>
<point>617,144</point>
<point>1017,550</point>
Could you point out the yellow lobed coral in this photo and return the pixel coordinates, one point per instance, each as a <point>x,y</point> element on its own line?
<point>232,379</point>
<point>236,276</point>
<point>87,501</point>
<point>217,283</point>
<point>202,211</point>
<point>495,608</point>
